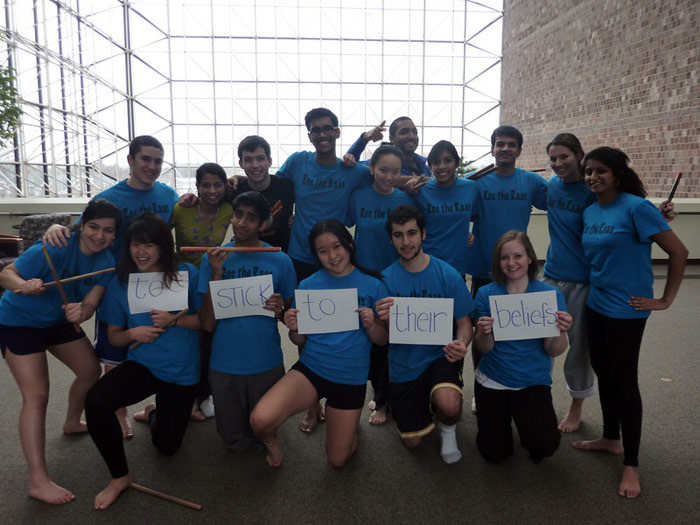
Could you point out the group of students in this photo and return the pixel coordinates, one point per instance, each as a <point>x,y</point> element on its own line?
<point>411,239</point>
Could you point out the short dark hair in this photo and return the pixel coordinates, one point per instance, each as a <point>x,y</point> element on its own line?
<point>402,215</point>
<point>150,228</point>
<point>513,235</point>
<point>212,168</point>
<point>395,125</point>
<point>439,148</point>
<point>143,141</point>
<point>507,131</point>
<point>617,160</point>
<point>383,150</point>
<point>251,143</point>
<point>320,113</point>
<point>100,209</point>
<point>256,200</point>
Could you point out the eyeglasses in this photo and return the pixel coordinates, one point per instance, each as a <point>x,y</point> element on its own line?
<point>327,129</point>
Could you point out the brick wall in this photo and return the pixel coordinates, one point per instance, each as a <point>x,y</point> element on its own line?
<point>620,73</point>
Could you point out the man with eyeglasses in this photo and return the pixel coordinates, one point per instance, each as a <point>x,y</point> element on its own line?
<point>322,185</point>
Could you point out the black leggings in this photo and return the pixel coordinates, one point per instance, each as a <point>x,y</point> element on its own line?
<point>532,412</point>
<point>379,374</point>
<point>125,385</point>
<point>614,345</point>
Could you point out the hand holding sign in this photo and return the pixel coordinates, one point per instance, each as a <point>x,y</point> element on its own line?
<point>455,350</point>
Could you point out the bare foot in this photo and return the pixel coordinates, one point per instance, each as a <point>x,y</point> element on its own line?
<point>110,494</point>
<point>274,453</point>
<point>378,416</point>
<point>629,486</point>
<point>572,420</point>
<point>198,415</point>
<point>372,405</point>
<point>611,446</point>
<point>311,419</point>
<point>74,428</point>
<point>321,412</point>
<point>143,415</point>
<point>123,417</point>
<point>49,492</point>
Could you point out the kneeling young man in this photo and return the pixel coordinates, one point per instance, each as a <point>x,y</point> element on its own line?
<point>246,356</point>
<point>426,382</point>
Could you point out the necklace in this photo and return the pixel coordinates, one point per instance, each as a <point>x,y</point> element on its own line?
<point>208,218</point>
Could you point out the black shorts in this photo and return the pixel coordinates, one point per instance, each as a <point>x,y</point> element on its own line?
<point>338,395</point>
<point>410,402</point>
<point>25,340</point>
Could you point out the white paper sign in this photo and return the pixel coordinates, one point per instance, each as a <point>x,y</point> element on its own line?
<point>421,321</point>
<point>524,316</point>
<point>241,297</point>
<point>147,292</point>
<point>327,311</point>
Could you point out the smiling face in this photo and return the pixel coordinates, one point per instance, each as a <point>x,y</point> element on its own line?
<point>96,235</point>
<point>601,180</point>
<point>246,224</point>
<point>514,261</point>
<point>444,169</point>
<point>145,167</point>
<point>505,150</point>
<point>406,137</point>
<point>146,256</point>
<point>407,239</point>
<point>211,189</point>
<point>385,172</point>
<point>256,164</point>
<point>565,163</point>
<point>323,134</point>
<point>333,255</point>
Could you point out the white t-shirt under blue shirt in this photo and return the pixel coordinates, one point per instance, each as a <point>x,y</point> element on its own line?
<point>617,242</point>
<point>322,192</point>
<point>438,279</point>
<point>251,344</point>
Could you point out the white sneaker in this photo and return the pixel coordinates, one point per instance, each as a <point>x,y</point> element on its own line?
<point>207,407</point>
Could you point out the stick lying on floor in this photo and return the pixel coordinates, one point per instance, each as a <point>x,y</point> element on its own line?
<point>165,496</point>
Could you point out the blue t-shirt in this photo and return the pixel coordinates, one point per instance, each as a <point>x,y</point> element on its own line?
<point>133,202</point>
<point>174,355</point>
<point>368,212</point>
<point>342,357</point>
<point>505,203</point>
<point>519,363</point>
<point>322,192</point>
<point>249,345</point>
<point>565,204</point>
<point>448,214</point>
<point>45,310</point>
<point>438,279</point>
<point>617,242</point>
<point>360,144</point>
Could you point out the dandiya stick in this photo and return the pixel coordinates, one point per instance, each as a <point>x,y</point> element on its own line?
<point>77,277</point>
<point>541,170</point>
<point>482,173</point>
<point>171,323</point>
<point>166,497</point>
<point>479,171</point>
<point>675,186</point>
<point>232,248</point>
<point>58,282</point>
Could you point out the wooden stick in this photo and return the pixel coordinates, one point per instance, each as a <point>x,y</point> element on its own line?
<point>232,248</point>
<point>482,173</point>
<point>541,170</point>
<point>166,497</point>
<point>675,186</point>
<point>58,283</point>
<point>168,325</point>
<point>76,278</point>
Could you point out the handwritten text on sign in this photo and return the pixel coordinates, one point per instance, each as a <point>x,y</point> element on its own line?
<point>524,316</point>
<point>147,292</point>
<point>421,321</point>
<point>241,297</point>
<point>326,311</point>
